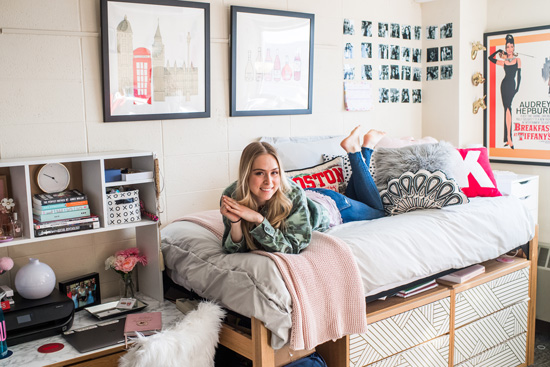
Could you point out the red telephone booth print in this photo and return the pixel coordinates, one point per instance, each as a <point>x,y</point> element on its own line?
<point>142,75</point>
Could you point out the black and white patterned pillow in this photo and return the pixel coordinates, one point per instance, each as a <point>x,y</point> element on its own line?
<point>421,190</point>
<point>347,165</point>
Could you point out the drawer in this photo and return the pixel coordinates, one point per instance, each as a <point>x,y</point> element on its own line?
<point>526,187</point>
<point>487,298</point>
<point>434,353</point>
<point>529,201</point>
<point>511,353</point>
<point>400,332</point>
<point>490,331</point>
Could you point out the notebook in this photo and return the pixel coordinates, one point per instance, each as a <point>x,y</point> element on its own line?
<point>146,323</point>
<point>92,337</point>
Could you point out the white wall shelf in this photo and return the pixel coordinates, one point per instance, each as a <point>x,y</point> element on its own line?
<point>88,176</point>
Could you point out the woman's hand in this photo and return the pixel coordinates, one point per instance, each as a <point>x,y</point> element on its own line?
<point>235,211</point>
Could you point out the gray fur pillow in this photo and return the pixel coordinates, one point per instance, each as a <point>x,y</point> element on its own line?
<point>393,162</point>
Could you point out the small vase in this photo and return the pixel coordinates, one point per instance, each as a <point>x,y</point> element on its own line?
<point>127,288</point>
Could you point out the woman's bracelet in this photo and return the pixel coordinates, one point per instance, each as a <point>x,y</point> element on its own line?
<point>237,221</point>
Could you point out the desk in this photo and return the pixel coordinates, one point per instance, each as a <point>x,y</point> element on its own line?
<point>26,354</point>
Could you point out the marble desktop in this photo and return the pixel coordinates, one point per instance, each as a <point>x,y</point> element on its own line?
<point>27,354</point>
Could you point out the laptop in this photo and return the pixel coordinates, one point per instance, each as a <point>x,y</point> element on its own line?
<point>101,335</point>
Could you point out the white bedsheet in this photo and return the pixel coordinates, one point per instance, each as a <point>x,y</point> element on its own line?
<point>390,251</point>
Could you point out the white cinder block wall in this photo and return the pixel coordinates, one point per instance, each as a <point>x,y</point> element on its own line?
<point>51,94</point>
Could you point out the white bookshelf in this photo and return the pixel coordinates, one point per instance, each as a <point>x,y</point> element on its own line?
<point>88,175</point>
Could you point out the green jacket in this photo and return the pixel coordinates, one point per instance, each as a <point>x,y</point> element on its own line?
<point>306,216</point>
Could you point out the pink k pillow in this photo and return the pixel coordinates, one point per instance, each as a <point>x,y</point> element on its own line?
<point>474,174</point>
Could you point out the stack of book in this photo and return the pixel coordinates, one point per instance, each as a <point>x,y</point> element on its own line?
<point>61,212</point>
<point>404,293</point>
<point>460,276</point>
<point>6,297</point>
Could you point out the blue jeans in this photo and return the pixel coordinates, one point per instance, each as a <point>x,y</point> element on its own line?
<point>362,200</point>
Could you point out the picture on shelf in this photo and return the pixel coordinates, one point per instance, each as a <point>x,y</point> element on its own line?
<point>83,290</point>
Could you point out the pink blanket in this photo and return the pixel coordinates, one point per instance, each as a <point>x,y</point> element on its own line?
<point>323,282</point>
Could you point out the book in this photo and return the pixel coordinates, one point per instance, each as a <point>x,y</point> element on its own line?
<point>65,222</point>
<point>66,196</point>
<point>65,229</point>
<point>60,205</point>
<point>463,275</point>
<point>417,289</point>
<point>64,215</point>
<point>145,323</point>
<point>37,211</point>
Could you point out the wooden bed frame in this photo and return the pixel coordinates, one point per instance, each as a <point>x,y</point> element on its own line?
<point>256,345</point>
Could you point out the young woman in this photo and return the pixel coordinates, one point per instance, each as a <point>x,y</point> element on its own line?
<point>508,87</point>
<point>265,210</point>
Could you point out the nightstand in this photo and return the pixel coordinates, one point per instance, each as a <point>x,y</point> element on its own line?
<point>524,187</point>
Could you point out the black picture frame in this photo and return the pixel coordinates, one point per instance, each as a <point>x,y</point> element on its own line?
<point>270,86</point>
<point>90,297</point>
<point>169,79</point>
<point>530,112</point>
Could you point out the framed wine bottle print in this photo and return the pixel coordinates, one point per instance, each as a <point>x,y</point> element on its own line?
<point>271,62</point>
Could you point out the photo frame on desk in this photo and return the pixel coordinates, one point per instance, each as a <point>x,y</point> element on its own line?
<point>83,290</point>
<point>517,90</point>
<point>271,62</point>
<point>156,59</point>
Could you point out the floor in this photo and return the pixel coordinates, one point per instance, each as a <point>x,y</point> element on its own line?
<point>542,344</point>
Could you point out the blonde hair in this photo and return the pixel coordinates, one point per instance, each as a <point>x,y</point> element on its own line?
<point>278,207</point>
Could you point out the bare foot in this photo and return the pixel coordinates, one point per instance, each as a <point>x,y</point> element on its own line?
<point>372,138</point>
<point>352,143</point>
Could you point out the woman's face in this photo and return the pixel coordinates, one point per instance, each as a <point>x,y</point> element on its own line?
<point>264,179</point>
<point>510,49</point>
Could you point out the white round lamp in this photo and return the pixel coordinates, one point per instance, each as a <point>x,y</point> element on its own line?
<point>35,280</point>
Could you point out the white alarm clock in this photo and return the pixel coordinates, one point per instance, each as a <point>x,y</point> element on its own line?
<point>53,177</point>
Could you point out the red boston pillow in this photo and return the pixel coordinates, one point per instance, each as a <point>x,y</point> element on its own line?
<point>481,181</point>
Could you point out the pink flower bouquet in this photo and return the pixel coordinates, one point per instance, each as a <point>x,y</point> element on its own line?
<point>124,262</point>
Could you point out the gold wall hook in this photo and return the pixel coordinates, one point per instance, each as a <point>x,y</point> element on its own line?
<point>477,46</point>
<point>477,79</point>
<point>480,103</point>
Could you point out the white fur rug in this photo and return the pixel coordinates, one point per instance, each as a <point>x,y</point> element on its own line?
<point>191,342</point>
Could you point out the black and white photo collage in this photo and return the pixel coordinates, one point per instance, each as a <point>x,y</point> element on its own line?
<point>439,54</point>
<point>388,52</point>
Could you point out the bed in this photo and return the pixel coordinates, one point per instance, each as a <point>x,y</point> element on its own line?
<point>391,253</point>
